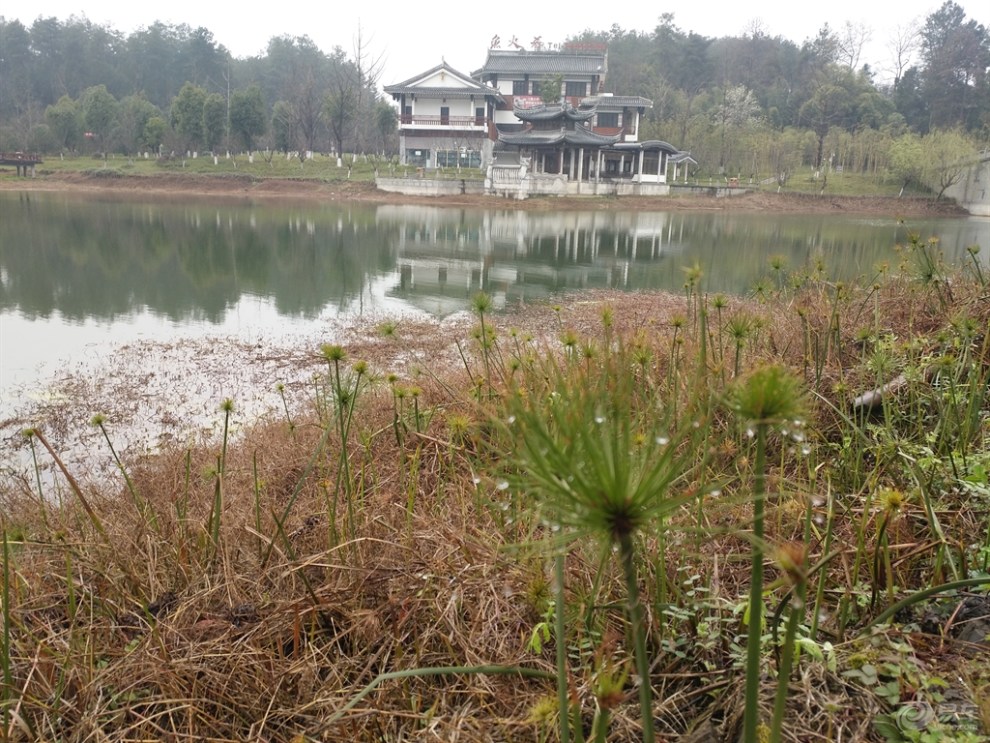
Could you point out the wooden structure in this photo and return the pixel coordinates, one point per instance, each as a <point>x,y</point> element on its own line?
<point>21,160</point>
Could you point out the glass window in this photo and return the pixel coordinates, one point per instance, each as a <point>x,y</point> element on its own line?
<point>575,90</point>
<point>464,157</point>
<point>520,87</point>
<point>609,120</point>
<point>418,158</point>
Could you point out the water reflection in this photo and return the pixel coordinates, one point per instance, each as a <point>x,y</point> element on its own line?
<point>107,260</point>
<point>446,255</point>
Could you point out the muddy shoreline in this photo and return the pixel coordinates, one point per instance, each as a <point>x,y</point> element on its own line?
<point>248,188</point>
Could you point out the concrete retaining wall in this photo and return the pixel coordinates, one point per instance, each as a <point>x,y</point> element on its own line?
<point>715,191</point>
<point>508,184</point>
<point>972,193</point>
<point>430,186</point>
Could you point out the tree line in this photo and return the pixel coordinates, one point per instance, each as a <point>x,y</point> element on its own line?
<point>750,106</point>
<point>763,106</point>
<point>75,85</point>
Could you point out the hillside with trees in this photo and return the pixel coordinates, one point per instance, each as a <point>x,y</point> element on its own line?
<point>755,107</point>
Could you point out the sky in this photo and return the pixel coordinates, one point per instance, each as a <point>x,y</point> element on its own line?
<point>461,32</point>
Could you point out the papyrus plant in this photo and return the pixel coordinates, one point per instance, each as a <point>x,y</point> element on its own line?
<point>600,456</point>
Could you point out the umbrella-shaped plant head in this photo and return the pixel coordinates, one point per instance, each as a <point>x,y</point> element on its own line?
<point>769,397</point>
<point>600,452</point>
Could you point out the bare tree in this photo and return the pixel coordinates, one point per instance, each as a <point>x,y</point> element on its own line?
<point>340,108</point>
<point>368,68</point>
<point>852,39</point>
<point>903,44</point>
<point>755,28</point>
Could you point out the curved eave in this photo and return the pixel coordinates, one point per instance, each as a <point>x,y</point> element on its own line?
<point>549,113</point>
<point>617,102</point>
<point>396,90</point>
<point>647,145</point>
<point>552,139</point>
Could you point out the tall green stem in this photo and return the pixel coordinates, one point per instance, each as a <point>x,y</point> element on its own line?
<point>754,628</point>
<point>559,638</point>
<point>787,661</point>
<point>636,623</point>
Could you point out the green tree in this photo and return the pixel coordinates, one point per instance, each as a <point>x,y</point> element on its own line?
<point>135,112</point>
<point>736,110</point>
<point>284,126</point>
<point>247,115</point>
<point>910,101</point>
<point>948,154</point>
<point>155,130</point>
<point>832,103</point>
<point>386,120</point>
<point>299,73</point>
<point>214,121</point>
<point>41,139</point>
<point>956,54</point>
<point>187,115</point>
<point>15,68</point>
<point>99,109</point>
<point>201,60</point>
<point>64,119</point>
<point>339,109</point>
<point>907,159</point>
<point>153,61</point>
<point>552,89</point>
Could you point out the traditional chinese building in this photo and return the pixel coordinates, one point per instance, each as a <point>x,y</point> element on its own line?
<point>528,78</point>
<point>446,119</point>
<point>535,122</point>
<point>558,152</point>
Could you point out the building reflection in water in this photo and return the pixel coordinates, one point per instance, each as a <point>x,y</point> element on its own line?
<point>446,255</point>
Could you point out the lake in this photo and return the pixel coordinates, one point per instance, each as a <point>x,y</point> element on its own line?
<point>80,274</point>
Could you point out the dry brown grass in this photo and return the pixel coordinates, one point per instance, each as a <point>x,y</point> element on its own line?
<point>153,633</point>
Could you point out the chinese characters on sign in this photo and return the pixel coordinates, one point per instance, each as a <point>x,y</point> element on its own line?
<point>537,44</point>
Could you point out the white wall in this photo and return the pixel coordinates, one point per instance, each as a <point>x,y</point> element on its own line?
<point>458,106</point>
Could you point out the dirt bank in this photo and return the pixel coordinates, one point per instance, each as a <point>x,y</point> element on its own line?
<point>249,188</point>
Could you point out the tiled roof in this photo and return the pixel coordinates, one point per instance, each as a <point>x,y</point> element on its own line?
<point>609,102</point>
<point>551,112</point>
<point>648,144</point>
<point>444,92</point>
<point>573,137</point>
<point>468,88</point>
<point>541,63</point>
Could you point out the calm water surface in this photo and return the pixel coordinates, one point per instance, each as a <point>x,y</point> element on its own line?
<point>81,273</point>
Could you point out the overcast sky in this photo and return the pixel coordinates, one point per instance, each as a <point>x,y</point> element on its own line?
<point>461,32</point>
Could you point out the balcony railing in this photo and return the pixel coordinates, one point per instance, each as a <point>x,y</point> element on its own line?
<point>456,122</point>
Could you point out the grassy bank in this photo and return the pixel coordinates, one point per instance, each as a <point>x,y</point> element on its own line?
<point>362,169</point>
<point>651,517</point>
